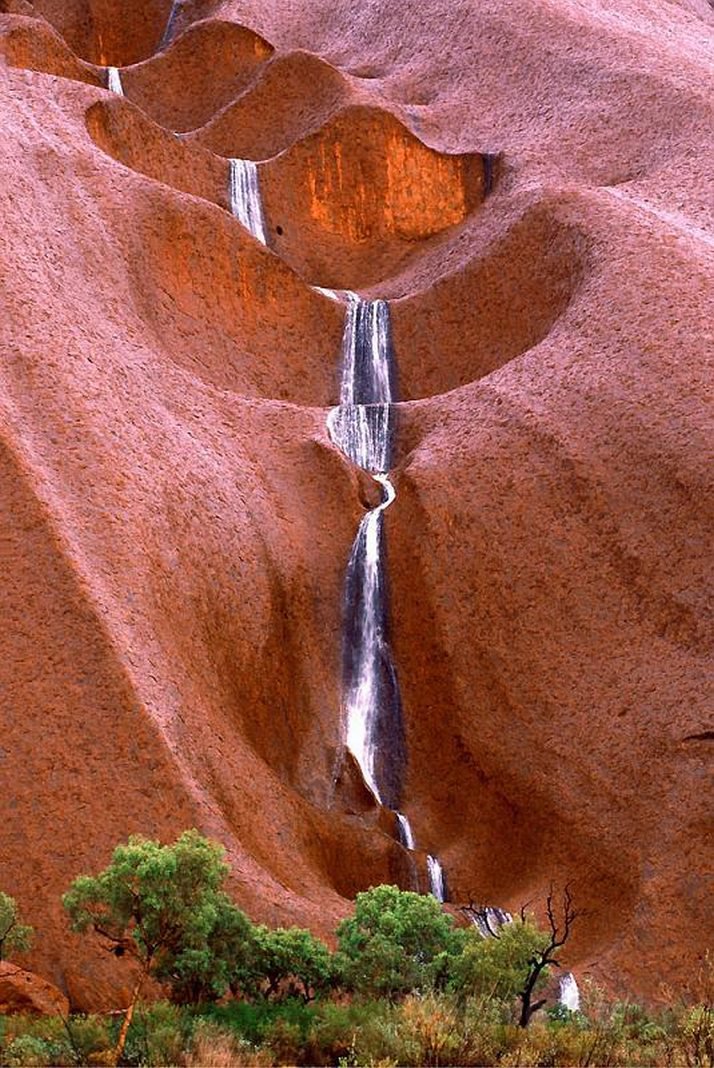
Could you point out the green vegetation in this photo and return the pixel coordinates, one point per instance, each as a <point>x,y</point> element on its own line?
<point>396,942</point>
<point>404,986</point>
<point>15,936</point>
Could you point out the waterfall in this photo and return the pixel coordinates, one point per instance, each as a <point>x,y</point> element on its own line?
<point>569,994</point>
<point>406,835</point>
<point>114,81</point>
<point>437,885</point>
<point>361,428</point>
<point>362,424</point>
<point>244,193</point>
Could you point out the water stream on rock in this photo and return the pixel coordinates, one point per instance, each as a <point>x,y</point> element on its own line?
<point>114,84</point>
<point>437,884</point>
<point>569,994</point>
<point>244,196</point>
<point>362,427</point>
<point>168,32</point>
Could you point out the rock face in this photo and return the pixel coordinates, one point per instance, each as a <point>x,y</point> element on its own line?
<point>22,991</point>
<point>175,522</point>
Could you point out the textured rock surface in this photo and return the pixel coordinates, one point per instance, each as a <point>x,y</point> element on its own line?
<point>175,523</point>
<point>22,991</point>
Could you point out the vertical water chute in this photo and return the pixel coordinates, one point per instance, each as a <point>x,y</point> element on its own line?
<point>169,31</point>
<point>437,883</point>
<point>361,428</point>
<point>114,84</point>
<point>406,835</point>
<point>244,197</point>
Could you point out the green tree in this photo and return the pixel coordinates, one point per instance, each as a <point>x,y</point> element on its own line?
<point>15,936</point>
<point>203,968</point>
<point>163,906</point>
<point>292,960</point>
<point>396,942</point>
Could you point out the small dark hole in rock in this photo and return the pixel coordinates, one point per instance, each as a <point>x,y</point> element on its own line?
<point>279,230</point>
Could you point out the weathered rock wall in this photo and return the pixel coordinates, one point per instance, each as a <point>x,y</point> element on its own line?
<point>176,524</point>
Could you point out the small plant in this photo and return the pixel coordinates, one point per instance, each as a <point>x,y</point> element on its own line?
<point>15,936</point>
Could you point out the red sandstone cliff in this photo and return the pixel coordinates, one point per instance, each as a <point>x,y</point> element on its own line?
<point>175,523</point>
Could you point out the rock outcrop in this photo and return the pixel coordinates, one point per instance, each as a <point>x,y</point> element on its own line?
<point>176,524</point>
<point>22,991</point>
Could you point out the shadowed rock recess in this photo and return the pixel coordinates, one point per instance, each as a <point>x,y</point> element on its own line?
<point>529,186</point>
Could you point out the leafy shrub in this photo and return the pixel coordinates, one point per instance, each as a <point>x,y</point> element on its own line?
<point>15,936</point>
<point>396,942</point>
<point>292,961</point>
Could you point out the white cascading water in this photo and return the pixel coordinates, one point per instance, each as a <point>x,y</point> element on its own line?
<point>244,195</point>
<point>114,84</point>
<point>435,872</point>
<point>569,994</point>
<point>406,835</point>
<point>363,698</point>
<point>360,427</point>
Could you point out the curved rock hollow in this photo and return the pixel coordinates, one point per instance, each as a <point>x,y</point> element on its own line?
<point>106,32</point>
<point>200,72</point>
<point>125,134</point>
<point>292,97</point>
<point>33,45</point>
<point>350,203</point>
<point>504,301</point>
<point>219,300</point>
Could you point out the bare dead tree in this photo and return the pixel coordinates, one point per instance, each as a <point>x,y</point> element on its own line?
<point>560,931</point>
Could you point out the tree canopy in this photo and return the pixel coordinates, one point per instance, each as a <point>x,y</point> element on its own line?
<point>396,942</point>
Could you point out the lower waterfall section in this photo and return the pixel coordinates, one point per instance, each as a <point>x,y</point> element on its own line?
<point>363,428</point>
<point>373,711</point>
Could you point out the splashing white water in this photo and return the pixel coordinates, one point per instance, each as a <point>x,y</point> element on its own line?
<point>244,190</point>
<point>406,835</point>
<point>114,84</point>
<point>363,433</point>
<point>436,878</point>
<point>569,994</point>
<point>362,424</point>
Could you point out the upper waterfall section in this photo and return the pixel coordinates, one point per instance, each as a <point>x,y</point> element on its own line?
<point>362,424</point>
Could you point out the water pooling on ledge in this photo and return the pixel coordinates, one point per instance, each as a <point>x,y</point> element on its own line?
<point>244,197</point>
<point>363,427</point>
